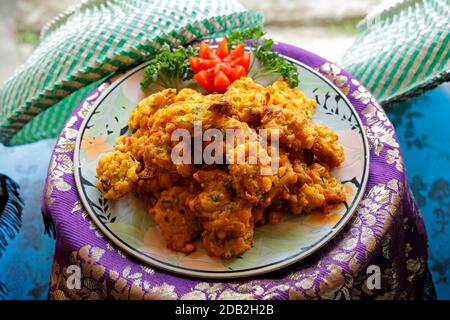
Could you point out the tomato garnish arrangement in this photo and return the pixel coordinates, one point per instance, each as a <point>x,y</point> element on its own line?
<point>216,70</point>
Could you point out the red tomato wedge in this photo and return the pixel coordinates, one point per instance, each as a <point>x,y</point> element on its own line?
<point>205,52</point>
<point>243,61</point>
<point>216,70</point>
<point>222,49</point>
<point>221,82</point>
<point>236,53</point>
<point>204,80</point>
<point>199,64</point>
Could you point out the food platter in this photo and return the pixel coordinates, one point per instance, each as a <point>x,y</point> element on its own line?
<point>127,223</point>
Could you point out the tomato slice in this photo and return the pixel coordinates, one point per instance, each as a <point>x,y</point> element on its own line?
<point>222,49</point>
<point>243,61</point>
<point>235,53</point>
<point>228,70</point>
<point>195,64</point>
<point>199,64</point>
<point>221,82</point>
<point>204,51</point>
<point>202,79</point>
<point>216,70</point>
<point>239,72</point>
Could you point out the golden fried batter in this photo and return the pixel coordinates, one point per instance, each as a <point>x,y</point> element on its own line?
<point>326,147</point>
<point>248,99</point>
<point>116,174</point>
<point>249,162</point>
<point>227,222</point>
<point>289,112</point>
<point>232,232</point>
<point>148,106</point>
<point>272,202</point>
<point>282,94</point>
<point>222,203</point>
<point>178,225</point>
<point>319,191</point>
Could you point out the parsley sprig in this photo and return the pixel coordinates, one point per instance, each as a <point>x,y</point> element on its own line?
<point>169,67</point>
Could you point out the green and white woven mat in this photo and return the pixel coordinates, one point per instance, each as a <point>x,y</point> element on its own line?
<point>95,39</point>
<point>403,49</point>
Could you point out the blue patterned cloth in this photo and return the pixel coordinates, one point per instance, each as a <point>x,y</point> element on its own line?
<point>422,126</point>
<point>25,261</point>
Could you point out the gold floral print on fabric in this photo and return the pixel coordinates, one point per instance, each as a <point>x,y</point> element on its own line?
<point>93,226</point>
<point>123,284</point>
<point>87,105</point>
<point>395,286</point>
<point>147,269</point>
<point>336,281</point>
<point>380,131</point>
<point>393,157</point>
<point>256,289</point>
<point>93,283</point>
<point>59,165</point>
<point>65,145</point>
<point>76,207</point>
<point>138,289</point>
<point>333,73</point>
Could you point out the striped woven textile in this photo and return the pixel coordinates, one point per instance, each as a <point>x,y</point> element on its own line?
<point>403,49</point>
<point>95,39</point>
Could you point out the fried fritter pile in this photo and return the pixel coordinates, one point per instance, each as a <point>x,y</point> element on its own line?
<point>222,203</point>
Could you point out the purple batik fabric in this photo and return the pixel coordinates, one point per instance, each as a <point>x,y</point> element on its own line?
<point>386,231</point>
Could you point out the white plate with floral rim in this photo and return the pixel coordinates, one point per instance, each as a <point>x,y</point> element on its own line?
<point>127,224</point>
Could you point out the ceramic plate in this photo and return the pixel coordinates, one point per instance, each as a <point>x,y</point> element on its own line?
<point>126,223</point>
